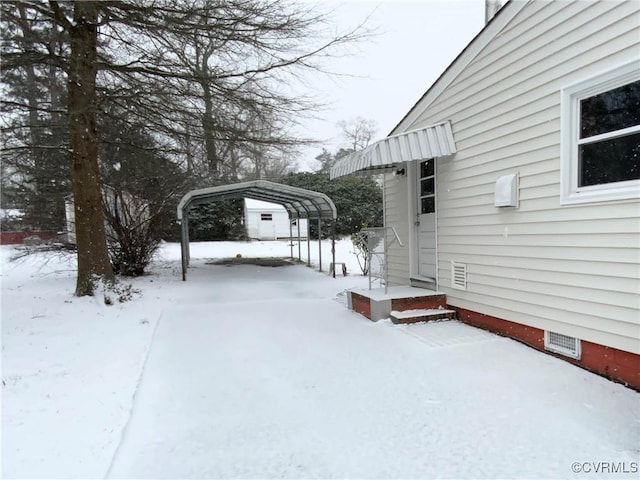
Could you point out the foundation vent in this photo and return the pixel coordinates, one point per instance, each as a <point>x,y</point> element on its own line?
<point>562,344</point>
<point>459,275</point>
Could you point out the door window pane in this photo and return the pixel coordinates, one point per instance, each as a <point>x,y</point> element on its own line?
<point>427,205</point>
<point>427,186</point>
<point>426,168</point>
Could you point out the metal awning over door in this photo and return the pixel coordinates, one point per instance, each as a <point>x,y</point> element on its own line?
<point>386,154</point>
<point>299,203</point>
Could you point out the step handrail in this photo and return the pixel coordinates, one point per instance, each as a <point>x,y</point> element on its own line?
<point>395,233</point>
<point>370,253</point>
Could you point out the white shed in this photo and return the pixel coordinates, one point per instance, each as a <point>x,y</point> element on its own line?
<point>270,221</point>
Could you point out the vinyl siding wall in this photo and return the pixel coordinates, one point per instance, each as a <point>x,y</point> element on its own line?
<point>572,269</point>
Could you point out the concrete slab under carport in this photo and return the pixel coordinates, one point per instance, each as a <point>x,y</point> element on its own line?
<point>299,203</point>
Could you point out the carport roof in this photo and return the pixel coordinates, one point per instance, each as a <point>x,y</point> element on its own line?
<point>299,202</point>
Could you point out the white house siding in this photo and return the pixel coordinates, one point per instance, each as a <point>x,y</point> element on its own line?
<point>396,215</point>
<point>569,269</point>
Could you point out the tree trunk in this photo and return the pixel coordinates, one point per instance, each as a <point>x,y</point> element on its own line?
<point>208,122</point>
<point>39,202</point>
<point>208,129</point>
<point>93,258</point>
<point>31,80</point>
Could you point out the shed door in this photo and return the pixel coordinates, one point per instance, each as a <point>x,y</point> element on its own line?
<point>267,227</point>
<point>427,219</point>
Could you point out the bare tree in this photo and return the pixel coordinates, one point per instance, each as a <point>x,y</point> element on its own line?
<point>267,164</point>
<point>222,65</point>
<point>358,132</point>
<point>190,69</point>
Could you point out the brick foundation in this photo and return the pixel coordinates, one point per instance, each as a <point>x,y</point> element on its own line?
<point>16,238</point>
<point>617,365</point>
<point>361,305</point>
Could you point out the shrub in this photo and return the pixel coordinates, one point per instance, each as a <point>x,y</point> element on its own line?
<point>131,239</point>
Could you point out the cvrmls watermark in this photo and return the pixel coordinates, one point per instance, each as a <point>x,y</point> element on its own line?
<point>605,467</point>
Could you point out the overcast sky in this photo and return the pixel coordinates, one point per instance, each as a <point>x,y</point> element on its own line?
<point>415,43</point>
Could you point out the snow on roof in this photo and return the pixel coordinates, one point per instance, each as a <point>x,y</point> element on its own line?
<point>252,204</point>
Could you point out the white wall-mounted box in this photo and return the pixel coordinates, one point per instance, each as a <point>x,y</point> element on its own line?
<point>506,192</point>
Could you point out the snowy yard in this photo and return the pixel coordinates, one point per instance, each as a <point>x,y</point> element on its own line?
<point>262,372</point>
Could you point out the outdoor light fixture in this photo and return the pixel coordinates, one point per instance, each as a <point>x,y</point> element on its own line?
<point>400,171</point>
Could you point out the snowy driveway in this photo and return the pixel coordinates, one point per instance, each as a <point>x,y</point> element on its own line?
<point>260,372</point>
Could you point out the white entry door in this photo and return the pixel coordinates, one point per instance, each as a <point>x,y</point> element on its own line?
<point>427,219</point>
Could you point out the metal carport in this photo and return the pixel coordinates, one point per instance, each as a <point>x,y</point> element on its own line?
<point>298,202</point>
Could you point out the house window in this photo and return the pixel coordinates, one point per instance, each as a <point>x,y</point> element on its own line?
<point>601,137</point>
<point>266,217</point>
<point>427,187</point>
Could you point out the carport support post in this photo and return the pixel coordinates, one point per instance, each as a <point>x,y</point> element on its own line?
<point>299,246</point>
<point>184,246</point>
<point>320,242</point>
<point>333,246</point>
<point>308,242</point>
<point>183,255</point>
<point>187,243</point>
<point>291,237</point>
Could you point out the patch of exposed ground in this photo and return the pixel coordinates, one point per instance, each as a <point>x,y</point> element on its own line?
<point>262,262</point>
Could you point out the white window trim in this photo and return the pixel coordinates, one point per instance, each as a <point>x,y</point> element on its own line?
<point>570,193</point>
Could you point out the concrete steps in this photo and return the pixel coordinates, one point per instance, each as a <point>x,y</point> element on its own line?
<point>421,315</point>
<point>377,304</point>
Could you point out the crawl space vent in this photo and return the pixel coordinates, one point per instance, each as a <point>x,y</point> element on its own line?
<point>459,275</point>
<point>562,344</point>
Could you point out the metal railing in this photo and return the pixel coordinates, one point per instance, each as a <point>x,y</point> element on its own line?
<point>378,240</point>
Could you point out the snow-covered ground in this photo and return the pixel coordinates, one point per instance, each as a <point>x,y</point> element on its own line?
<point>247,371</point>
